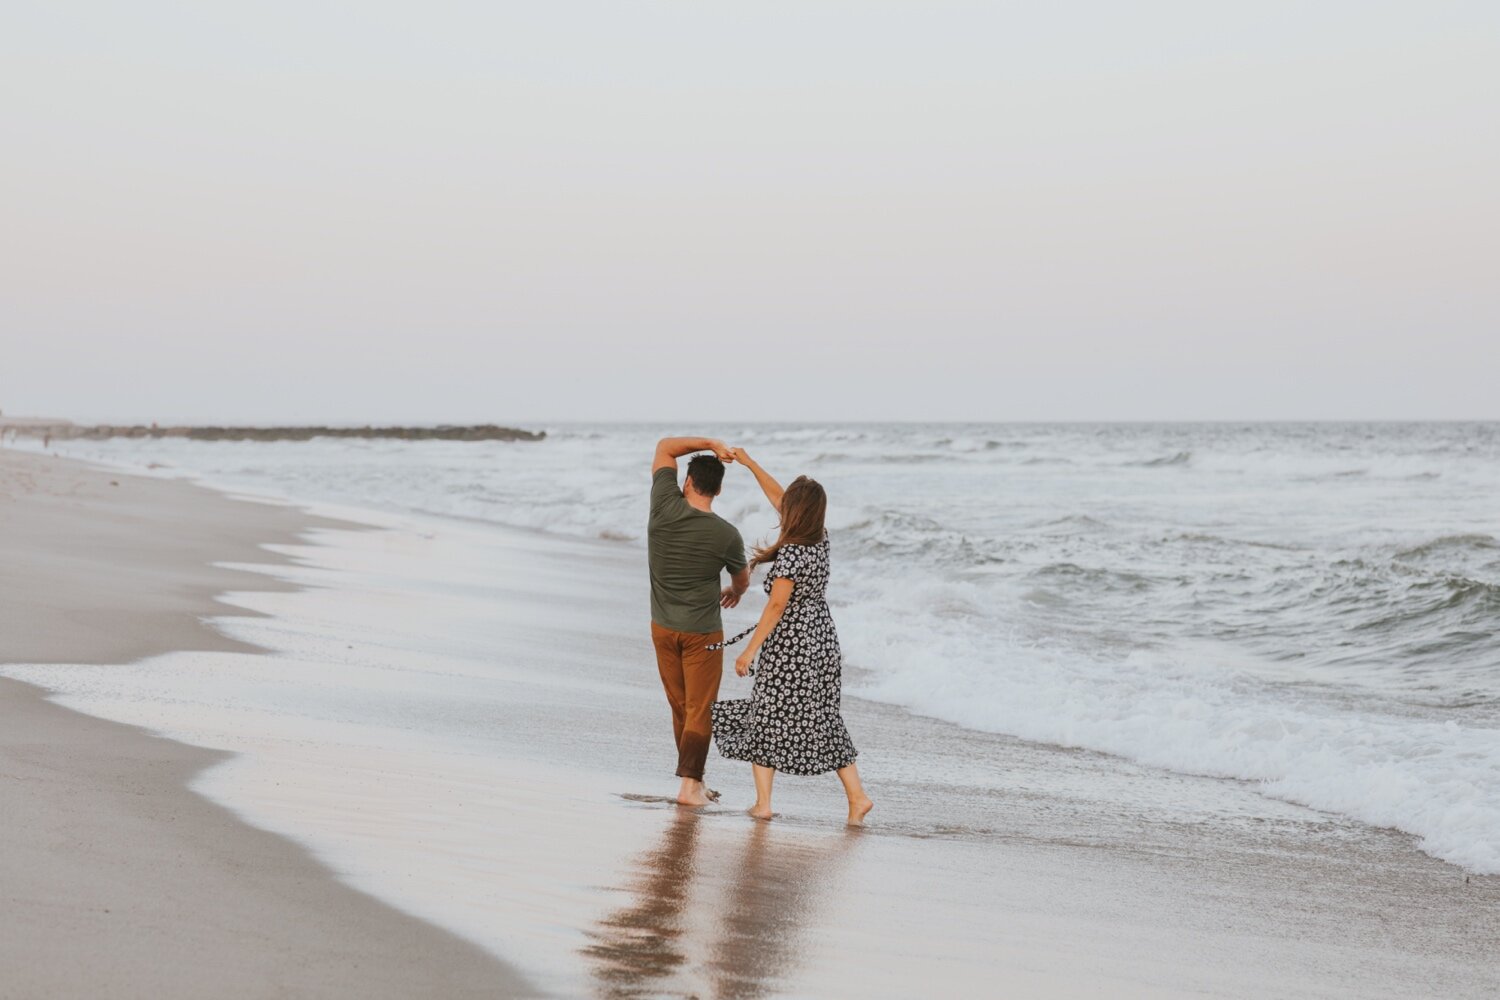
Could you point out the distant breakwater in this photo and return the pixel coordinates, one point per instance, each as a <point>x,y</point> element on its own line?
<point>442,432</point>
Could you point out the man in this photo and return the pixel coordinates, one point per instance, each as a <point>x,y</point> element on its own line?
<point>688,545</point>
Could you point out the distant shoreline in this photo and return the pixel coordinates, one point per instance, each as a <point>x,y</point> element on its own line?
<point>64,431</point>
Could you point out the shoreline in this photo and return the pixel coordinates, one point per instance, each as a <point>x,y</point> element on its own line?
<point>119,879</point>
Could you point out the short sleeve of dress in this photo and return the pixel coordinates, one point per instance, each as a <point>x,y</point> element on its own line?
<point>788,563</point>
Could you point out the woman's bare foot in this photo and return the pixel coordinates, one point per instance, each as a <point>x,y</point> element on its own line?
<point>759,811</point>
<point>859,810</point>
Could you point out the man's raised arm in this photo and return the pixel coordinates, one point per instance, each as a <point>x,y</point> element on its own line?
<point>669,450</point>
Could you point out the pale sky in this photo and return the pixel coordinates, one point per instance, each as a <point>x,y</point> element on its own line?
<point>543,211</point>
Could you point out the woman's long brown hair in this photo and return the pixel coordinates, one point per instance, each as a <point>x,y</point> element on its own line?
<point>802,508</point>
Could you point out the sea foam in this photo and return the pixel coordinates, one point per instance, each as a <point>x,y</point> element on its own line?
<point>1437,780</point>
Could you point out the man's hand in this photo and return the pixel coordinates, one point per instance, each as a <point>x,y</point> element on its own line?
<point>738,584</point>
<point>722,451</point>
<point>743,664</point>
<point>729,597</point>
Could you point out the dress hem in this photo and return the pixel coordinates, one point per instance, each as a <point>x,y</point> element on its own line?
<point>795,773</point>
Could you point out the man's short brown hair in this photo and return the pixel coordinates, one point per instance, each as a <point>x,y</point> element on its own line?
<point>706,473</point>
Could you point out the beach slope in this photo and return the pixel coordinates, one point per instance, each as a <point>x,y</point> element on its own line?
<point>115,879</point>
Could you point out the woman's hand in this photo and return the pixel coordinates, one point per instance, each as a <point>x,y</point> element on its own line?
<point>742,456</point>
<point>745,662</point>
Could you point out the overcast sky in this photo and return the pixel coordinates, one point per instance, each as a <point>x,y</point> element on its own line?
<point>686,210</point>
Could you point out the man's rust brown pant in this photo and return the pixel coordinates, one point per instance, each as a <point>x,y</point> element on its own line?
<point>690,674</point>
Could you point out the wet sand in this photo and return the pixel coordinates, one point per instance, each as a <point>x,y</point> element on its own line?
<point>116,880</point>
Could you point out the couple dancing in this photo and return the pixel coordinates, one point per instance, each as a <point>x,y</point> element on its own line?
<point>791,720</point>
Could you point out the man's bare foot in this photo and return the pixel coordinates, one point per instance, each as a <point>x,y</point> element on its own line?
<point>859,810</point>
<point>758,811</point>
<point>692,793</point>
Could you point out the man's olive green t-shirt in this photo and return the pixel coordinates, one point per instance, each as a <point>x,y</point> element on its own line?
<point>686,548</point>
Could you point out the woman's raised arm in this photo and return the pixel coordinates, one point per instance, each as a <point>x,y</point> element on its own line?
<point>768,484</point>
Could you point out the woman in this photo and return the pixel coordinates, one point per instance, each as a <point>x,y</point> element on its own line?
<point>791,720</point>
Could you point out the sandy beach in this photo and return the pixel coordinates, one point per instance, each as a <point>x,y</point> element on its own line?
<point>462,723</point>
<point>116,880</point>
<point>1097,392</point>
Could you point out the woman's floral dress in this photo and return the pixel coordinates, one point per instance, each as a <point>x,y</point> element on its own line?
<point>791,720</point>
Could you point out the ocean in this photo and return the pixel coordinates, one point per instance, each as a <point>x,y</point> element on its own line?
<point>1306,615</point>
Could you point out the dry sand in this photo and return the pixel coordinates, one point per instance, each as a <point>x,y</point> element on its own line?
<point>115,879</point>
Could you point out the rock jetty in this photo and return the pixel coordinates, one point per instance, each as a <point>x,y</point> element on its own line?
<point>63,431</point>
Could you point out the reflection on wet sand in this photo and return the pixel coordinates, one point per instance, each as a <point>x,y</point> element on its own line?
<point>637,947</point>
<point>716,910</point>
<point>767,906</point>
